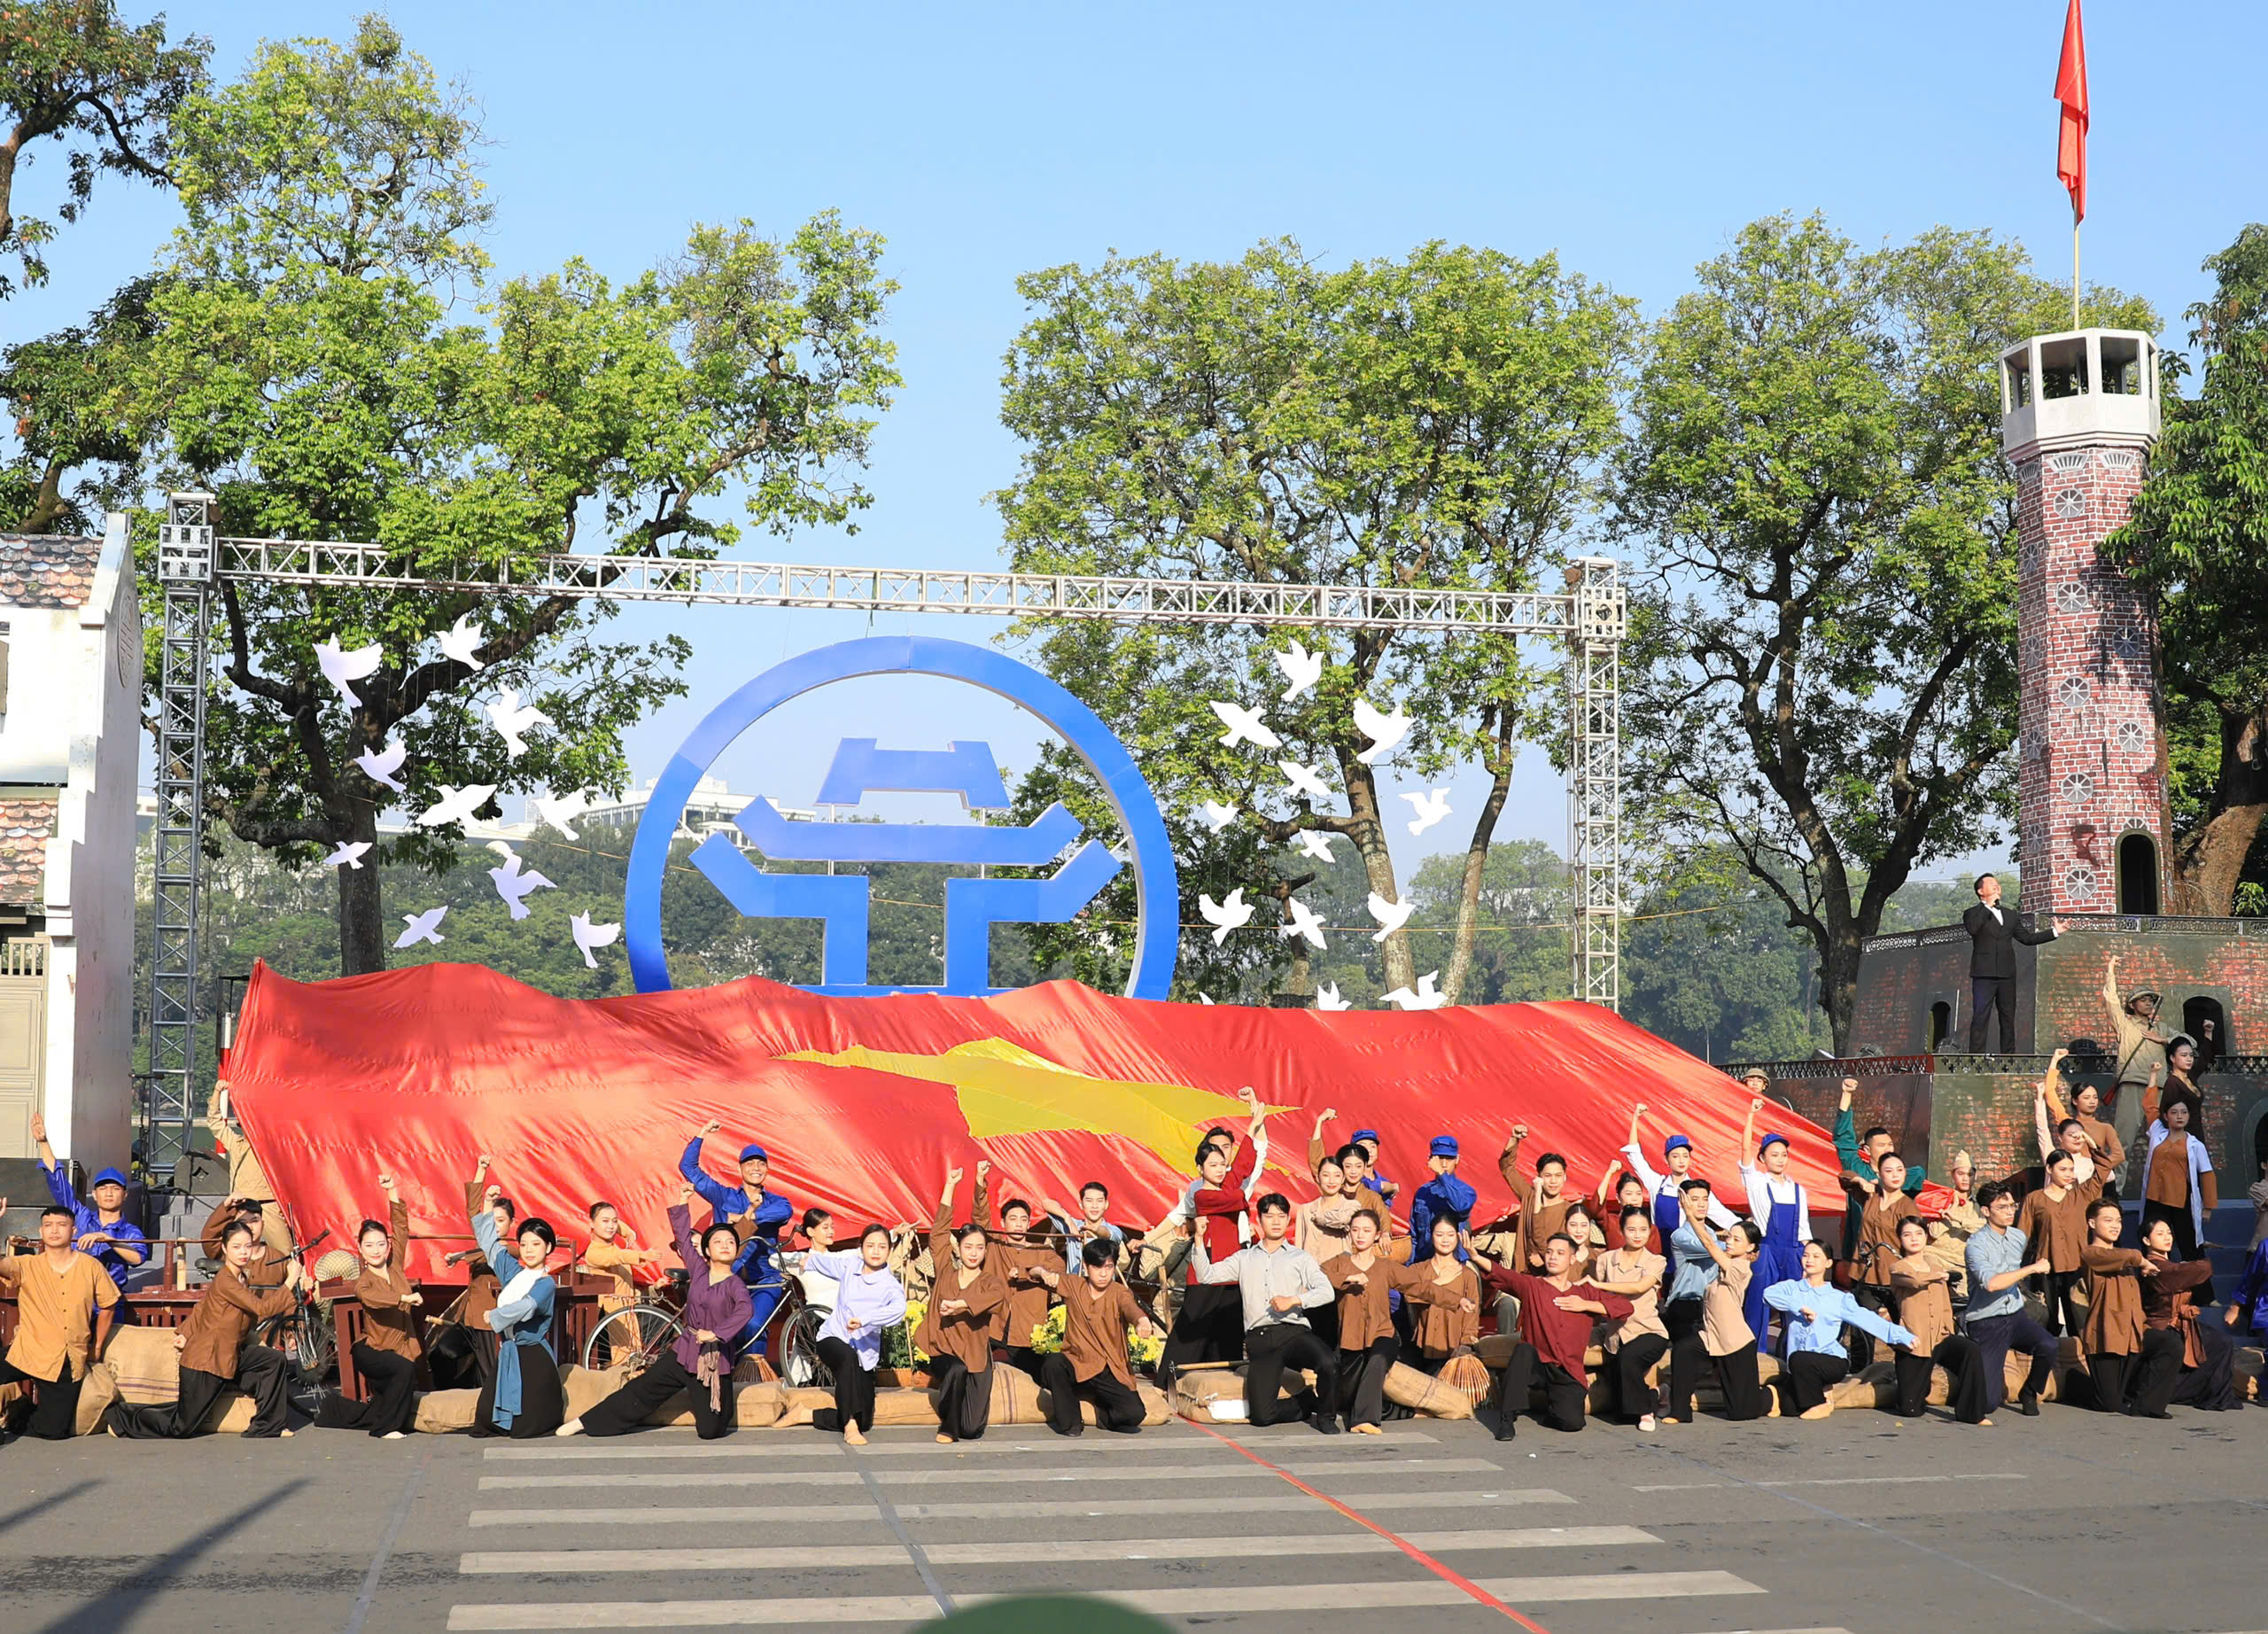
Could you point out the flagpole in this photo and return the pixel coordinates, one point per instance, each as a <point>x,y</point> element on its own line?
<point>2075,269</point>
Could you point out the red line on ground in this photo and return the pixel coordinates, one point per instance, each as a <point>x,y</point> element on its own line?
<point>1445,1574</point>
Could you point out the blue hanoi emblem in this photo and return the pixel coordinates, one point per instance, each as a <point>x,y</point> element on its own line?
<point>972,906</point>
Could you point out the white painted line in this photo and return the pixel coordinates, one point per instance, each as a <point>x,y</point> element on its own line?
<point>675,1445</point>
<point>772,1516</point>
<point>808,1556</point>
<point>1833,1481</point>
<point>1158,1602</point>
<point>1110,1477</point>
<point>1838,1629</point>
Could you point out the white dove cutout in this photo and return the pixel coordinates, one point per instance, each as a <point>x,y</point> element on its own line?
<point>1301,667</point>
<point>1391,916</point>
<point>1204,998</point>
<point>1305,780</point>
<point>1301,922</point>
<point>350,854</point>
<point>456,805</point>
<point>1218,816</point>
<point>1244,724</point>
<point>1326,998</point>
<point>1424,998</point>
<point>514,885</point>
<point>559,811</point>
<point>339,668</point>
<point>589,936</point>
<point>1384,731</point>
<point>1229,913</point>
<point>510,717</point>
<point>423,927</point>
<point>1433,806</point>
<point>1317,843</point>
<point>380,765</point>
<point>459,640</point>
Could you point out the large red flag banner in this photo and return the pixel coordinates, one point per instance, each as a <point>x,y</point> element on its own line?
<point>2071,134</point>
<point>864,1103</point>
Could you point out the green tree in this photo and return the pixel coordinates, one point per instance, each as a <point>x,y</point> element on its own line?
<point>2199,540</point>
<point>1824,676</point>
<point>1432,420</point>
<point>302,364</point>
<point>103,91</point>
<point>78,448</point>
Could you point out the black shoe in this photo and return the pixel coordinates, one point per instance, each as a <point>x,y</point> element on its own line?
<point>2028,1404</point>
<point>1504,1430</point>
<point>1325,1423</point>
<point>2160,1413</point>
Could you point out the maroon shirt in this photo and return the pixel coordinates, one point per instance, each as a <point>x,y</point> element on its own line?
<point>1560,1337</point>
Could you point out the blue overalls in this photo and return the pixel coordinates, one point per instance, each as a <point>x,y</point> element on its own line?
<point>1781,1259</point>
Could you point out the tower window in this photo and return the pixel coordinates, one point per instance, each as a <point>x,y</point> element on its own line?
<point>2138,874</point>
<point>1940,1024</point>
<point>2122,365</point>
<point>2064,368</point>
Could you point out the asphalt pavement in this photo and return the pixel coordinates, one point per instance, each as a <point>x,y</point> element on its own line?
<point>1862,1524</point>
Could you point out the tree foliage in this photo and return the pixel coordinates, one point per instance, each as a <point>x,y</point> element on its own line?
<point>303,358</point>
<point>2199,540</point>
<point>1432,420</point>
<point>101,91</point>
<point>1824,677</point>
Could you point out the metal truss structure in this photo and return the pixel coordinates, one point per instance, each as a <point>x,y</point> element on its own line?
<point>1589,617</point>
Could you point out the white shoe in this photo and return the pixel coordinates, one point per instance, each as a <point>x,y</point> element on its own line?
<point>1646,1425</point>
<point>391,1436</point>
<point>573,1426</point>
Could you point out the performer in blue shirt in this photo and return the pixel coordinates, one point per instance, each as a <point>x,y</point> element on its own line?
<point>97,1228</point>
<point>524,1399</point>
<point>767,1212</point>
<point>1996,1318</point>
<point>1442,1197</point>
<point>1815,1312</point>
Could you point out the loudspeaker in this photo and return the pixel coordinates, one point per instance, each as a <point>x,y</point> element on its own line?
<point>202,1174</point>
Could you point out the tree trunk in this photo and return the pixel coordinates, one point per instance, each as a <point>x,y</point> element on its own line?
<point>1476,864</point>
<point>361,911</point>
<point>1378,862</point>
<point>1838,976</point>
<point>2210,865</point>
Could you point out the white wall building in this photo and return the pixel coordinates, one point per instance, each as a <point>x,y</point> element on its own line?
<point>70,737</point>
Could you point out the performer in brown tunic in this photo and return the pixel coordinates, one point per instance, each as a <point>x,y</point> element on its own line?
<point>1365,1275</point>
<point>1880,1206</point>
<point>386,1354</point>
<point>64,1303</point>
<point>1919,1282</point>
<point>2053,1222</point>
<point>2126,1358</point>
<point>967,1310</point>
<point>1544,1202</point>
<point>1018,1255</point>
<point>1640,1342</point>
<point>214,1354</point>
<point>1094,1364</point>
<point>1448,1322</point>
<point>2206,1377</point>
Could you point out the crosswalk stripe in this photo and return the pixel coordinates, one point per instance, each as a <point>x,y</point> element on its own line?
<point>771,1515</point>
<point>1158,1602</point>
<point>809,1556</point>
<point>1110,1475</point>
<point>1080,1446</point>
<point>1838,1481</point>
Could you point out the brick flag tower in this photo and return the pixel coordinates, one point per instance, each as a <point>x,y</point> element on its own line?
<point>2079,412</point>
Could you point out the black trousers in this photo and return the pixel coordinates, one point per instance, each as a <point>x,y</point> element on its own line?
<point>1689,1357</point>
<point>1990,992</point>
<point>628,1408</point>
<point>261,1375</point>
<point>1022,1357</point>
<point>1958,1355</point>
<point>1996,1337</point>
<point>1808,1375</point>
<point>2211,1387</point>
<point>1634,1398</point>
<point>1208,1328</point>
<point>2142,1383</point>
<point>54,1415</point>
<point>1361,1381</point>
<point>963,1400</point>
<point>391,1404</point>
<point>1117,1408</point>
<point>854,1387</point>
<point>2064,1314</point>
<point>543,1400</point>
<point>1268,1351</point>
<point>1564,1394</point>
<point>1858,1344</point>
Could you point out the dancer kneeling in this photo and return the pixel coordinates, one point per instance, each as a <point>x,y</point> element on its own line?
<point>1277,1285</point>
<point>1920,1283</point>
<point>215,1351</point>
<point>966,1304</point>
<point>1365,1275</point>
<point>386,1354</point>
<point>2128,1361</point>
<point>869,1301</point>
<point>523,1399</point>
<point>699,1364</point>
<point>1555,1320</point>
<point>1094,1364</point>
<point>1814,1313</point>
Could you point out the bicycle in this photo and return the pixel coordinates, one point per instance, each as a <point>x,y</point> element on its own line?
<point>303,1334</point>
<point>635,1336</point>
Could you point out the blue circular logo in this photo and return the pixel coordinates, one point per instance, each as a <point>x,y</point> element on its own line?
<point>972,906</point>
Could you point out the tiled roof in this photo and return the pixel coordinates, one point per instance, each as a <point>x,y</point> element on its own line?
<point>47,569</point>
<point>26,826</point>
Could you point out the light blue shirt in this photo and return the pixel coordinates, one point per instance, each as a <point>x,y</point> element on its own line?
<point>876,1298</point>
<point>1994,1253</point>
<point>1831,1312</point>
<point>1695,1267</point>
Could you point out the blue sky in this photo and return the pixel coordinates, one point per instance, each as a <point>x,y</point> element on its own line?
<point>985,141</point>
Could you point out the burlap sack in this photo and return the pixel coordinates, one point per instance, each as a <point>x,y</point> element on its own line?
<point>1195,1392</point>
<point>904,1405</point>
<point>145,1366</point>
<point>231,1414</point>
<point>1414,1390</point>
<point>796,1407</point>
<point>97,1391</point>
<point>1494,1350</point>
<point>442,1410</point>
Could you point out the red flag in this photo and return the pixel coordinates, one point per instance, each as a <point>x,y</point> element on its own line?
<point>2071,91</point>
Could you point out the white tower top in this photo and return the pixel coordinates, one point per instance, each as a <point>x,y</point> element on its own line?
<point>2086,387</point>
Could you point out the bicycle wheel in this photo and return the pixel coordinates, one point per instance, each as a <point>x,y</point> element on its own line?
<point>304,1336</point>
<point>801,1365</point>
<point>631,1338</point>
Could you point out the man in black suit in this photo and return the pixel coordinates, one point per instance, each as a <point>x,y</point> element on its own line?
<point>1993,934</point>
